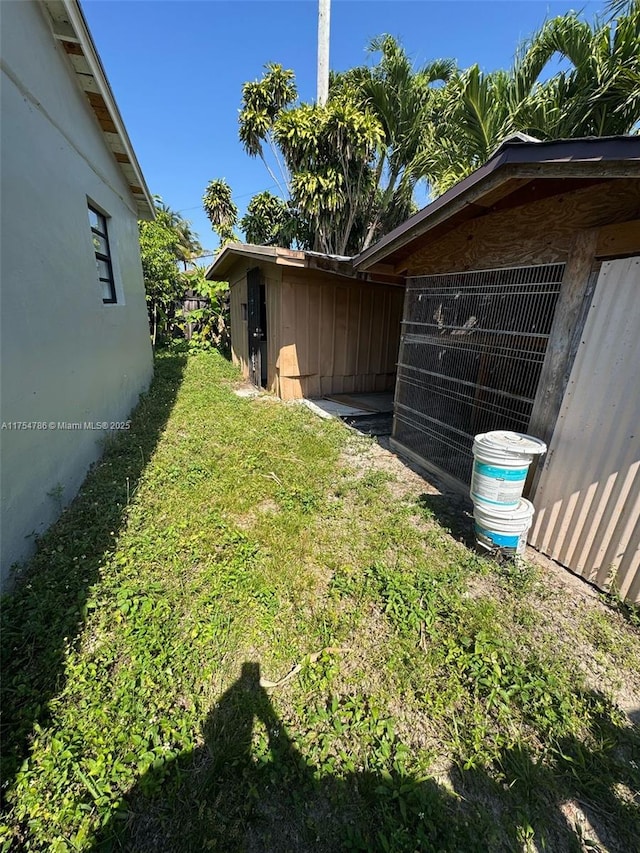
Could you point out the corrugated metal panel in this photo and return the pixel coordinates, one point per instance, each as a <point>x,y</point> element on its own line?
<point>588,498</point>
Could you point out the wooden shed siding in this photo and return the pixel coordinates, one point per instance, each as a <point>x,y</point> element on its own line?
<point>239,329</point>
<point>537,233</point>
<point>273,295</point>
<point>337,335</point>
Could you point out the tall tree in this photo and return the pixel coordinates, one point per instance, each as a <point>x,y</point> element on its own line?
<point>345,168</point>
<point>330,151</point>
<point>221,209</point>
<point>270,221</point>
<point>403,100</point>
<point>262,102</point>
<point>188,247</point>
<point>598,95</point>
<point>162,280</point>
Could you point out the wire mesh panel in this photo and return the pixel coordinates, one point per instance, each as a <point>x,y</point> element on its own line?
<point>471,353</point>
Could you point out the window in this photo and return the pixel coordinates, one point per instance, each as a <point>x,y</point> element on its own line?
<point>98,223</point>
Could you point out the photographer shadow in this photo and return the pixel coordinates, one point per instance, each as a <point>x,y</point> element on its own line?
<point>248,788</point>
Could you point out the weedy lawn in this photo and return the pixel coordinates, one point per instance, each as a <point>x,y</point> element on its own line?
<point>252,632</point>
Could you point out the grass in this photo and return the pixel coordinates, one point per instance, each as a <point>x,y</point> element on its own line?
<point>438,705</point>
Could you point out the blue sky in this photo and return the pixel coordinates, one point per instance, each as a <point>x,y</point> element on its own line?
<point>177,67</point>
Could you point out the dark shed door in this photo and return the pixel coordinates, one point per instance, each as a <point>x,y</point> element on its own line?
<point>470,358</point>
<point>254,302</point>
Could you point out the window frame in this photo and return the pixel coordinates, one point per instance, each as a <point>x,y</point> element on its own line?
<point>100,256</point>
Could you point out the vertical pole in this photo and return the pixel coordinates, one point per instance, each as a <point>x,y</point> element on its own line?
<point>324,14</point>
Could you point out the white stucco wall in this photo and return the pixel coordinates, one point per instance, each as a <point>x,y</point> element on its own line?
<point>66,356</point>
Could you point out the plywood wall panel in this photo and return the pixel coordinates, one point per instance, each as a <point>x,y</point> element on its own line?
<point>314,327</point>
<point>364,331</point>
<point>341,320</point>
<point>331,334</point>
<point>537,233</point>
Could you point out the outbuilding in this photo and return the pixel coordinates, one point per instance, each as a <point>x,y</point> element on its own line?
<point>522,312</point>
<point>304,326</point>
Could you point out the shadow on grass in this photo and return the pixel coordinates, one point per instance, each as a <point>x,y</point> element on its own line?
<point>454,513</point>
<point>233,794</point>
<point>583,796</point>
<point>47,607</point>
<point>246,791</point>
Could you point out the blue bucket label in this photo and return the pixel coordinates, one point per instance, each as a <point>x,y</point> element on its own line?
<point>501,540</point>
<point>496,485</point>
<point>501,473</point>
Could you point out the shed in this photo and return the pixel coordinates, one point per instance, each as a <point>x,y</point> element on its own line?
<point>522,312</point>
<point>302,324</point>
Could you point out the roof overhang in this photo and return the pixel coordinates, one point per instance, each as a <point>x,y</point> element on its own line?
<point>234,253</point>
<point>70,29</point>
<point>513,165</point>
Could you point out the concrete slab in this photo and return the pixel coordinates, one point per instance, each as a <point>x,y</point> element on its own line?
<point>332,409</point>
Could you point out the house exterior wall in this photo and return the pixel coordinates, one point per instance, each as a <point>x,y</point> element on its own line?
<point>337,335</point>
<point>66,356</point>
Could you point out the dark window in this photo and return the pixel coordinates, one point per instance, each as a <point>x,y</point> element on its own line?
<point>100,239</point>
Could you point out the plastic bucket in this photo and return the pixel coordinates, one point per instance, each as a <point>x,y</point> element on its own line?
<point>500,466</point>
<point>503,530</point>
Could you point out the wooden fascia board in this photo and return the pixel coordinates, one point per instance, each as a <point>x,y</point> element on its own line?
<point>73,34</point>
<point>290,262</point>
<point>588,169</point>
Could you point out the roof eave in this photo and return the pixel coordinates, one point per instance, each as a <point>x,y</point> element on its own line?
<point>70,28</point>
<point>234,252</point>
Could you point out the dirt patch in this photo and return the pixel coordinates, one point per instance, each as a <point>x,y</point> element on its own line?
<point>571,615</point>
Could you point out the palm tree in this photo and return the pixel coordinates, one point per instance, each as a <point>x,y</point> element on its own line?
<point>221,209</point>
<point>473,114</point>
<point>600,94</point>
<point>188,246</point>
<point>402,99</point>
<point>262,102</point>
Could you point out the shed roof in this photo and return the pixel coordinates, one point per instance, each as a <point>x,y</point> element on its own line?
<point>234,252</point>
<point>70,29</point>
<point>514,163</point>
